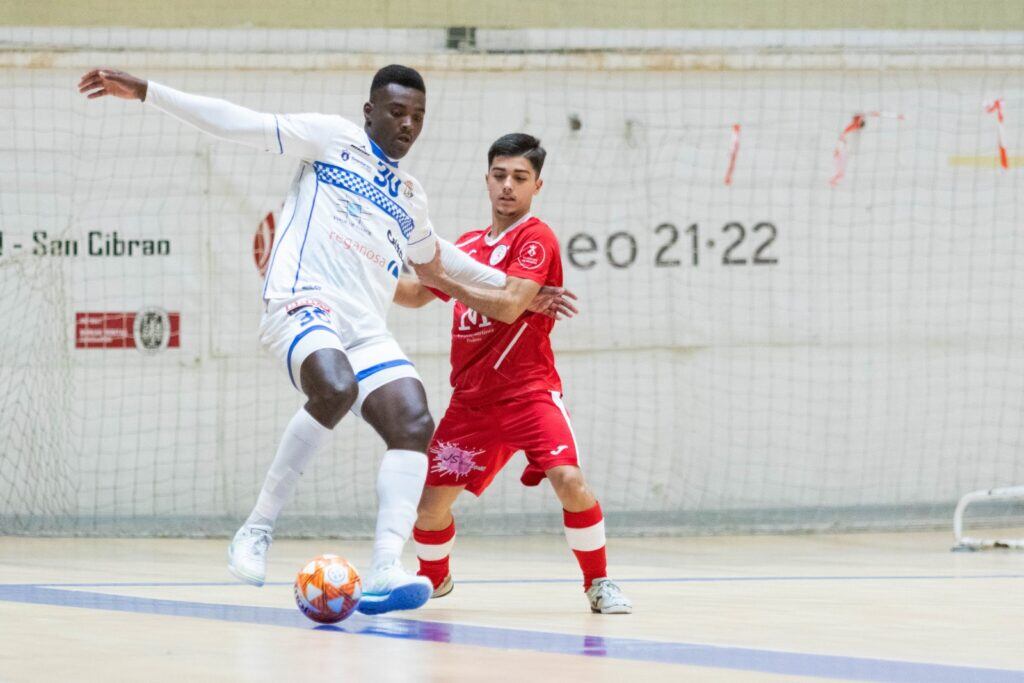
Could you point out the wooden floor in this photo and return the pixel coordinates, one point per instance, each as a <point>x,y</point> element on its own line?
<point>885,607</point>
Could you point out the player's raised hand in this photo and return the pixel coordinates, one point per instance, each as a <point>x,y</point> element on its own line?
<point>554,302</point>
<point>100,82</point>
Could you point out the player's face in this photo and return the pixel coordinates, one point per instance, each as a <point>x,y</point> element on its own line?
<point>394,118</point>
<point>512,184</point>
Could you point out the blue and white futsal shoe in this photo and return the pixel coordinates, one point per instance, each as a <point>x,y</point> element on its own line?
<point>391,588</point>
<point>247,554</point>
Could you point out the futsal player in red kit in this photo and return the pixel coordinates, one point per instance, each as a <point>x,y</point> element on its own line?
<point>507,393</point>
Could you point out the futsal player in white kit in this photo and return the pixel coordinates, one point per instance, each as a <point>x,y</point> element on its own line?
<point>352,218</point>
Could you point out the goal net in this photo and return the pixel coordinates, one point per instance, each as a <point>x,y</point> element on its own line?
<point>798,257</point>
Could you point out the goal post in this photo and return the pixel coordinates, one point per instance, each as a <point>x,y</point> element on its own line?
<point>962,542</point>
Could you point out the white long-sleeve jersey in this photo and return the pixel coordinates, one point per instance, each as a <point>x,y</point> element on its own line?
<point>351,216</point>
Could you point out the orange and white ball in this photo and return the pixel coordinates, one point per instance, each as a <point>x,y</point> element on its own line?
<point>328,589</point>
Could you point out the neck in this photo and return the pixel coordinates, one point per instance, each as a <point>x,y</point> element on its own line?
<point>378,150</point>
<point>501,223</point>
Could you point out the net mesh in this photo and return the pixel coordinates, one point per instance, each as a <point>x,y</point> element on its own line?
<point>773,353</point>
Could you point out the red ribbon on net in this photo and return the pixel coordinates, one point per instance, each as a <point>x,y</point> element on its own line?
<point>842,153</point>
<point>842,149</point>
<point>734,149</point>
<point>996,107</point>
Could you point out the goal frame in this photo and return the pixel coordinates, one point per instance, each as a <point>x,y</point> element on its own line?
<point>971,543</point>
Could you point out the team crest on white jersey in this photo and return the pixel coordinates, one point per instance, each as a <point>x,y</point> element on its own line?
<point>498,254</point>
<point>407,189</point>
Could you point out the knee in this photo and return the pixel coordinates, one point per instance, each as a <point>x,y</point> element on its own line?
<point>567,481</point>
<point>339,394</point>
<point>334,398</point>
<point>432,516</point>
<point>419,429</point>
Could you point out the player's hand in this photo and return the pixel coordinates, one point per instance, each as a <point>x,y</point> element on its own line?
<point>432,273</point>
<point>100,82</point>
<point>554,302</point>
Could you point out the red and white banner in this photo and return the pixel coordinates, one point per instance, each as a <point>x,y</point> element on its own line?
<point>150,329</point>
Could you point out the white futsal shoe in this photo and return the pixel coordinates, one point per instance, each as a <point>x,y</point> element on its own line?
<point>247,554</point>
<point>446,587</point>
<point>607,598</point>
<point>390,588</point>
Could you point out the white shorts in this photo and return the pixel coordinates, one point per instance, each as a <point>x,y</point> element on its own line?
<point>294,328</point>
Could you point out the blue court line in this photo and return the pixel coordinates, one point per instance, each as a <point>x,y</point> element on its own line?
<point>691,654</point>
<point>679,579</point>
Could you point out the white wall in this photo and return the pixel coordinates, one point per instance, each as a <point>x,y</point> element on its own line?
<point>874,372</point>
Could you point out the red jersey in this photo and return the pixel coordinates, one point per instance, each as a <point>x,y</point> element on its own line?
<point>493,361</point>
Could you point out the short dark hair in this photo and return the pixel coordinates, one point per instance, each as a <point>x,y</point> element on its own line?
<point>518,145</point>
<point>402,75</point>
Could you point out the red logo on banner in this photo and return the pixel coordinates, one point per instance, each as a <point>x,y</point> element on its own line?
<point>148,330</point>
<point>263,243</point>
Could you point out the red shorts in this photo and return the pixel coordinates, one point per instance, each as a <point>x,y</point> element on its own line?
<point>471,445</point>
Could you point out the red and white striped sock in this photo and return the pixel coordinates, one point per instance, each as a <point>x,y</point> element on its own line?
<point>585,533</point>
<point>433,549</point>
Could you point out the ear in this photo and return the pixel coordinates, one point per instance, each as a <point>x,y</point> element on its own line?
<point>540,184</point>
<point>367,109</point>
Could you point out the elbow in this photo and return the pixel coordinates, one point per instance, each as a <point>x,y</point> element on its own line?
<point>412,302</point>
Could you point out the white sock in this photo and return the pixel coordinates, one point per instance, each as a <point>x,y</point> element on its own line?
<point>303,437</point>
<point>399,487</point>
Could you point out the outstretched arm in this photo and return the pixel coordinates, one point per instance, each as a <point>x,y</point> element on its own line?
<point>505,304</point>
<point>554,302</point>
<point>297,135</point>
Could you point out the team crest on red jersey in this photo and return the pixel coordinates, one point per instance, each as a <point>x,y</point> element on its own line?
<point>531,255</point>
<point>498,254</point>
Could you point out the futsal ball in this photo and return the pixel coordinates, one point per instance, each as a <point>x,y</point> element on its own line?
<point>328,589</point>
